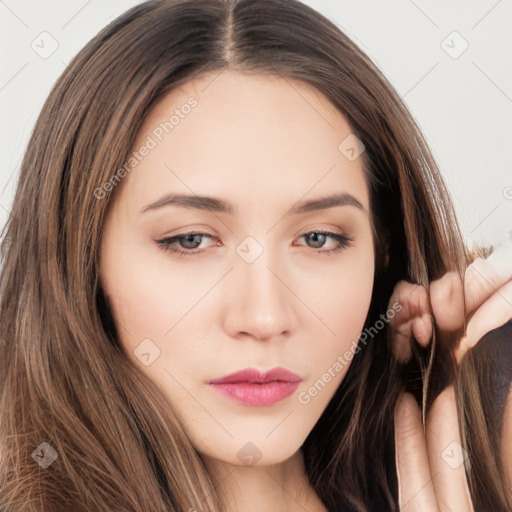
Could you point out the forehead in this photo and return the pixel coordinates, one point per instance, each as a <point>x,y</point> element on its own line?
<point>248,138</point>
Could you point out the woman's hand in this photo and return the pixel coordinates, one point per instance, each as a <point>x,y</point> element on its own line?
<point>430,461</point>
<point>487,296</point>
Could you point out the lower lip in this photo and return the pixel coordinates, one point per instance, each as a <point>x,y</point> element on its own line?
<point>257,394</point>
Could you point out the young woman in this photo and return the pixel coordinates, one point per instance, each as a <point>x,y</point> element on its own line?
<point>236,231</point>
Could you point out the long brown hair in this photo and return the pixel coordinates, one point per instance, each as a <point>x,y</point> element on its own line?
<point>64,379</point>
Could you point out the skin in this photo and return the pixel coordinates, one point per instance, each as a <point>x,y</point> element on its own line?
<point>427,482</point>
<point>263,144</point>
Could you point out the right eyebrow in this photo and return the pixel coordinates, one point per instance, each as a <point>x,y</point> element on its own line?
<point>192,202</point>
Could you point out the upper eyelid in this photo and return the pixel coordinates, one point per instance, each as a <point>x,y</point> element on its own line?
<point>302,233</point>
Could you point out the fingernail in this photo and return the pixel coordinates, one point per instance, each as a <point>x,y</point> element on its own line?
<point>461,348</point>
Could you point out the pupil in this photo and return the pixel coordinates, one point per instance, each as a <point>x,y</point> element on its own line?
<point>315,236</point>
<point>191,239</point>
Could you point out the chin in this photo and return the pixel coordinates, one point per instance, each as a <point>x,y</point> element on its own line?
<point>253,453</point>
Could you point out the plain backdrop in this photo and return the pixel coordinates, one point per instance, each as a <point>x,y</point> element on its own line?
<point>451,62</point>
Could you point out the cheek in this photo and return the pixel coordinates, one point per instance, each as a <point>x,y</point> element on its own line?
<point>144,292</point>
<point>137,303</point>
<point>165,304</point>
<point>342,295</point>
<point>139,306</point>
<point>343,299</point>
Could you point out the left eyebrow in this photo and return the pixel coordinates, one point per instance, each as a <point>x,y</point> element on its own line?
<point>222,206</point>
<point>323,203</point>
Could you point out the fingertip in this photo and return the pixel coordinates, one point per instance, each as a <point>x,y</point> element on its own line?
<point>422,329</point>
<point>402,350</point>
<point>447,301</point>
<point>460,350</point>
<point>406,407</point>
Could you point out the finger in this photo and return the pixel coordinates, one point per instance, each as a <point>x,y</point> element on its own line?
<point>484,276</point>
<point>415,489</point>
<point>413,319</point>
<point>447,300</point>
<point>494,312</point>
<point>481,279</point>
<point>446,455</point>
<point>421,329</point>
<point>501,259</point>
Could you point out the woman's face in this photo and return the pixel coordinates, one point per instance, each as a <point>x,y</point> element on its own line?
<point>258,285</point>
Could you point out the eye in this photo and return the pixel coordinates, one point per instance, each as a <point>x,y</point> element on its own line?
<point>185,244</point>
<point>318,238</point>
<point>187,241</point>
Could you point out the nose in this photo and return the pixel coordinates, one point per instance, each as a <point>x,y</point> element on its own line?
<point>260,301</point>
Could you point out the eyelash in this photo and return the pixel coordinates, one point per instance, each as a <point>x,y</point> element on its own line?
<point>166,244</point>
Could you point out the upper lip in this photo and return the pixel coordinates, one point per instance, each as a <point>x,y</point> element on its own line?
<point>255,375</point>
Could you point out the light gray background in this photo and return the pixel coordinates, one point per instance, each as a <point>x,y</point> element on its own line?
<point>462,101</point>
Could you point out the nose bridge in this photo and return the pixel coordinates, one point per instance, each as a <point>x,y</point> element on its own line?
<point>260,302</point>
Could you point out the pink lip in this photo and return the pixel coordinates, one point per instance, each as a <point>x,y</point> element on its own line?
<point>251,386</point>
